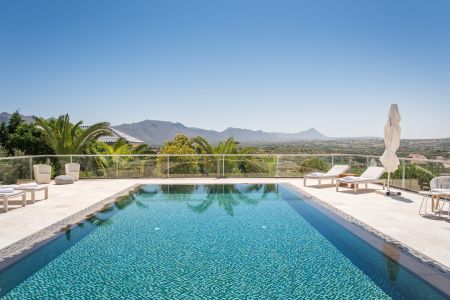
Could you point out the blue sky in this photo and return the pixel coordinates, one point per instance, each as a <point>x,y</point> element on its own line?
<point>270,65</point>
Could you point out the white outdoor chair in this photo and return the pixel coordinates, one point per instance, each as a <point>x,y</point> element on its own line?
<point>73,170</point>
<point>332,174</point>
<point>42,173</point>
<point>439,186</point>
<point>371,175</point>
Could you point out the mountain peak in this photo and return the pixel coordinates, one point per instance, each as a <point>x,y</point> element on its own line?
<point>312,129</point>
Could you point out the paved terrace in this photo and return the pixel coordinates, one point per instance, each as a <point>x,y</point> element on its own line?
<point>397,217</point>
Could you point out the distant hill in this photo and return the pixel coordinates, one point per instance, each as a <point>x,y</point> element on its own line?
<point>156,133</point>
<point>4,117</point>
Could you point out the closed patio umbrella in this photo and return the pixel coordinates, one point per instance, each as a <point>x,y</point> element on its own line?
<point>392,141</point>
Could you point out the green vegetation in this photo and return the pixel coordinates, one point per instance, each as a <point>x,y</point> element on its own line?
<point>60,136</point>
<point>18,138</point>
<point>183,165</point>
<point>67,138</point>
<point>17,135</point>
<point>235,162</point>
<point>431,148</point>
<point>13,169</point>
<point>314,164</point>
<point>127,165</point>
<point>225,158</point>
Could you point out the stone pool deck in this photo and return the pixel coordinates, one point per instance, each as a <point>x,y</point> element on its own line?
<point>396,217</point>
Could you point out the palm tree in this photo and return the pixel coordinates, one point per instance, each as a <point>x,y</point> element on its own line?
<point>67,138</point>
<point>233,164</point>
<point>125,163</point>
<point>229,146</point>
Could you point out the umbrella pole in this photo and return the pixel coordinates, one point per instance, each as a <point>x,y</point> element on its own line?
<point>389,179</point>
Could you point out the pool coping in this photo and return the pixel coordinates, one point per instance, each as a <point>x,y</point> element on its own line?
<point>438,275</point>
<point>16,250</point>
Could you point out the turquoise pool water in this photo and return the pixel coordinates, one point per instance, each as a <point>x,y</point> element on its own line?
<point>210,242</point>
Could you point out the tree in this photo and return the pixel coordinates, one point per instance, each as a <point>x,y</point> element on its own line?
<point>235,164</point>
<point>67,138</point>
<point>313,164</point>
<point>13,169</point>
<point>128,164</point>
<point>14,122</point>
<point>18,135</point>
<point>181,165</point>
<point>28,139</point>
<point>4,135</point>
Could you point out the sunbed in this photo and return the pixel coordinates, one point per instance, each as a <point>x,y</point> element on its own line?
<point>7,193</point>
<point>371,175</point>
<point>332,174</point>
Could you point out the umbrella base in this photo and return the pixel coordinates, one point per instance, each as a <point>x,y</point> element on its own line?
<point>388,193</point>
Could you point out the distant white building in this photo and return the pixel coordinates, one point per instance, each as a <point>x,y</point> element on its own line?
<point>116,135</point>
<point>417,157</point>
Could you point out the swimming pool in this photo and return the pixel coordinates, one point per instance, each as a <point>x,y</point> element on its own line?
<point>211,242</point>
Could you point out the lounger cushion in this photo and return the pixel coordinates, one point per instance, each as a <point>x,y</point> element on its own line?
<point>373,172</point>
<point>63,179</point>
<point>336,170</point>
<point>6,190</point>
<point>316,174</point>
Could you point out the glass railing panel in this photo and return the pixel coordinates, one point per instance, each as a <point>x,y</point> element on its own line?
<point>127,167</point>
<point>358,164</point>
<point>416,175</point>
<point>298,166</point>
<point>15,171</point>
<point>187,166</point>
<point>249,166</point>
<point>184,166</point>
<point>410,175</point>
<point>135,167</point>
<point>92,167</point>
<point>209,166</point>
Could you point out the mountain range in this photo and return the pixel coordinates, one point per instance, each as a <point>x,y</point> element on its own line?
<point>155,132</point>
<point>4,117</point>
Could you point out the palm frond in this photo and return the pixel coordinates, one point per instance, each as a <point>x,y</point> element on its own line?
<point>92,133</point>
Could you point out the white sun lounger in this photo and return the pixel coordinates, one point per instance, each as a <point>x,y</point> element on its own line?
<point>332,174</point>
<point>6,196</point>
<point>371,175</point>
<point>32,188</point>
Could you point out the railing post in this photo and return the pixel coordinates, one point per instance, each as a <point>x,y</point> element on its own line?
<point>403,174</point>
<point>168,166</point>
<point>31,167</point>
<point>218,167</point>
<point>277,170</point>
<point>117,166</point>
<point>223,166</point>
<point>332,160</point>
<point>71,159</point>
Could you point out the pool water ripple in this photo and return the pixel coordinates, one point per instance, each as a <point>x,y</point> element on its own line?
<point>248,243</point>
